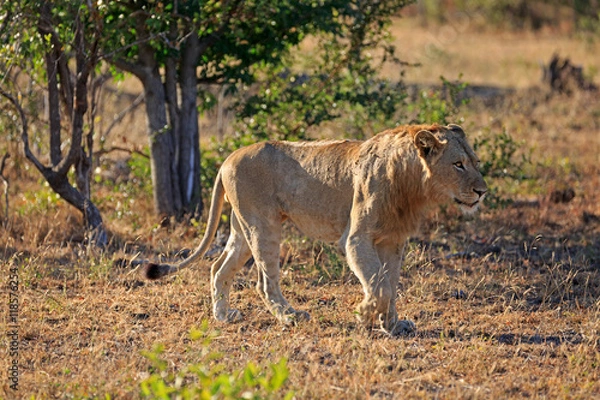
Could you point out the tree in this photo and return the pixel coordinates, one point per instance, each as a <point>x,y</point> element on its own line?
<point>340,79</point>
<point>176,47</point>
<point>58,48</point>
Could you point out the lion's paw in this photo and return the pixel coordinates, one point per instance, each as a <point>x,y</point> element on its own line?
<point>230,316</point>
<point>403,328</point>
<point>234,315</point>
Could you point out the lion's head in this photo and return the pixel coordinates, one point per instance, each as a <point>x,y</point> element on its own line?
<point>451,164</point>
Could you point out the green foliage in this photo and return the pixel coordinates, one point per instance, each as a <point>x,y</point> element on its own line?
<point>237,44</point>
<point>504,163</point>
<point>137,181</point>
<point>339,77</point>
<point>439,106</point>
<point>43,200</point>
<point>22,50</point>
<point>140,172</point>
<point>24,40</point>
<point>331,263</point>
<point>236,36</point>
<point>208,379</point>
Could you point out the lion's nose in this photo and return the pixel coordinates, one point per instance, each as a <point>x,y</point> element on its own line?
<point>480,192</point>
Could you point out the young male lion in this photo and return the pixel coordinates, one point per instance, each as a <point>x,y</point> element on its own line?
<point>368,196</point>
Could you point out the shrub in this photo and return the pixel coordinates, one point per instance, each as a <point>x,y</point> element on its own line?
<point>503,164</point>
<point>439,106</point>
<point>208,378</point>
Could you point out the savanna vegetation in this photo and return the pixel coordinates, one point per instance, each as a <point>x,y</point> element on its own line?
<point>506,302</point>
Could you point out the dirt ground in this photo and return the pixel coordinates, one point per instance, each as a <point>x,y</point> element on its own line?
<point>506,302</point>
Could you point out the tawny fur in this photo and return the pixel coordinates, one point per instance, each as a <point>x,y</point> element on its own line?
<point>368,196</point>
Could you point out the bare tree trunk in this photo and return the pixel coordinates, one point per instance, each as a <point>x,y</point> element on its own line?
<point>53,105</point>
<point>172,116</point>
<point>93,219</point>
<point>189,155</point>
<point>162,148</point>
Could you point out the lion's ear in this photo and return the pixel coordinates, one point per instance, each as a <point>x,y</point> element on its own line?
<point>427,144</point>
<point>457,128</point>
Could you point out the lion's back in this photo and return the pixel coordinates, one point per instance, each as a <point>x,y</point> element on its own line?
<point>307,182</point>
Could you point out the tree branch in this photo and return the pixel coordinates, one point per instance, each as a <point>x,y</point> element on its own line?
<point>84,64</point>
<point>80,101</point>
<point>138,70</point>
<point>54,107</point>
<point>111,56</point>
<point>66,82</point>
<point>135,104</point>
<point>119,148</point>
<point>24,133</point>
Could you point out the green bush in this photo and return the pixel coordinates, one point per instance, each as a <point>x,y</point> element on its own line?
<point>140,171</point>
<point>504,163</point>
<point>439,106</point>
<point>209,379</point>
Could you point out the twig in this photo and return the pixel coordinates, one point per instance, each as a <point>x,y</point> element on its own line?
<point>135,104</point>
<point>24,133</point>
<point>118,148</point>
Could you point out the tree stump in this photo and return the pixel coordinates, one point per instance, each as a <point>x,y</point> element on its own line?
<point>562,76</point>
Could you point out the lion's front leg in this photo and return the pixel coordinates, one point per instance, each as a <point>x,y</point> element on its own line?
<point>391,255</point>
<point>375,279</point>
<point>378,269</point>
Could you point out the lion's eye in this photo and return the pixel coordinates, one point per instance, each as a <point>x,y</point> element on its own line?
<point>459,165</point>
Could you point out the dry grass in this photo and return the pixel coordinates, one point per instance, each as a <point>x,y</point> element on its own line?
<point>508,59</point>
<point>506,303</point>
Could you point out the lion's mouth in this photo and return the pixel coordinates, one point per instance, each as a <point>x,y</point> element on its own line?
<point>469,205</point>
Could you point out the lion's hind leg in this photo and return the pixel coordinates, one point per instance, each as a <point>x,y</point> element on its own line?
<point>235,255</point>
<point>264,236</point>
<point>269,290</point>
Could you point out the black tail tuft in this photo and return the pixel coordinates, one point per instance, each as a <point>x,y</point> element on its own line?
<point>154,271</point>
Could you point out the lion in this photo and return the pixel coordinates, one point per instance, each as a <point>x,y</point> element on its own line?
<point>368,196</point>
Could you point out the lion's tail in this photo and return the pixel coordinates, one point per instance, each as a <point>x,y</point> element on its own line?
<point>154,271</point>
